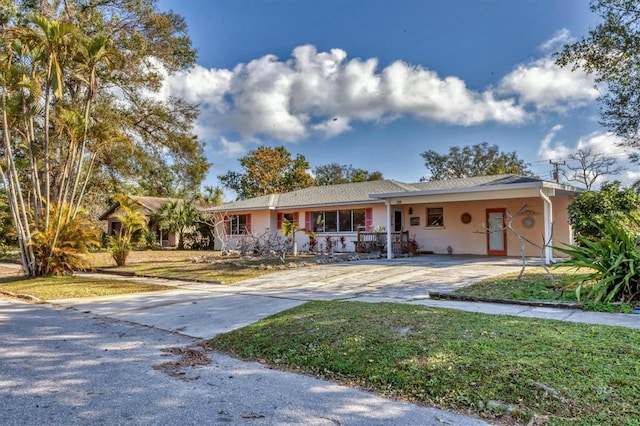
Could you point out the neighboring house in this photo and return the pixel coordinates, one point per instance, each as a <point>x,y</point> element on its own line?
<point>148,206</point>
<point>460,216</point>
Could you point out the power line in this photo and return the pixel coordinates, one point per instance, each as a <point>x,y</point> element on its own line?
<point>556,169</point>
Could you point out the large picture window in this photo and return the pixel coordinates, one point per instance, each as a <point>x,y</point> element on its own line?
<point>435,217</point>
<point>238,225</point>
<point>338,220</point>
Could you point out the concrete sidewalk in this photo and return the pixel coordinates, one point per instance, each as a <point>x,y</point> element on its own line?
<point>558,314</point>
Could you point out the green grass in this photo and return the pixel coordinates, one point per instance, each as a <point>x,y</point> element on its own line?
<point>535,285</point>
<point>65,287</point>
<point>573,373</point>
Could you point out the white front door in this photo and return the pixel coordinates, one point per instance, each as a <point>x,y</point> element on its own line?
<point>497,236</point>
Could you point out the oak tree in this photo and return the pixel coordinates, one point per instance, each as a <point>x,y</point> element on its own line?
<point>477,160</point>
<point>611,52</point>
<point>334,173</point>
<point>268,171</point>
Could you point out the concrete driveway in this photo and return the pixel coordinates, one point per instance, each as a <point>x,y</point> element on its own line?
<point>205,310</point>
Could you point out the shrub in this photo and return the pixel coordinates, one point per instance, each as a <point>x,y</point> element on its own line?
<point>614,260</point>
<point>132,222</point>
<point>58,248</point>
<point>591,210</point>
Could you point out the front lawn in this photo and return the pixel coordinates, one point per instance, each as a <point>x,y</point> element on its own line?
<point>66,287</point>
<point>180,263</point>
<point>535,285</point>
<point>488,365</point>
<point>162,263</point>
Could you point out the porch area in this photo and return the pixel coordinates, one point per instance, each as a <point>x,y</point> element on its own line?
<point>369,242</point>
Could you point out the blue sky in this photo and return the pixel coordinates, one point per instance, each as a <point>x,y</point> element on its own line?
<point>374,83</point>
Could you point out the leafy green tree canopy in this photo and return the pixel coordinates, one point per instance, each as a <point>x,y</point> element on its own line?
<point>477,160</point>
<point>268,171</point>
<point>77,80</point>
<point>590,211</point>
<point>334,173</point>
<point>611,52</point>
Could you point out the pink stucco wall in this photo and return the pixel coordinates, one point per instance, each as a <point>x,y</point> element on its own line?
<point>463,238</point>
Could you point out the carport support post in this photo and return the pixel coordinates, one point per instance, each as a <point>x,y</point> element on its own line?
<point>548,227</point>
<point>389,245</point>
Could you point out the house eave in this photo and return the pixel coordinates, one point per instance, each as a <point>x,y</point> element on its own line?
<point>477,189</point>
<point>296,207</point>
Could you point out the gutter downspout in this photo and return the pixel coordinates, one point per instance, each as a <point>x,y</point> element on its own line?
<point>389,246</point>
<point>548,227</point>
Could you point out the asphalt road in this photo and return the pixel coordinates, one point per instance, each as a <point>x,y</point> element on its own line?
<point>64,367</point>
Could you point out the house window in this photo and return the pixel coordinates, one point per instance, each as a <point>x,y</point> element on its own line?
<point>238,224</point>
<point>338,220</point>
<point>115,228</point>
<point>435,217</point>
<point>288,217</point>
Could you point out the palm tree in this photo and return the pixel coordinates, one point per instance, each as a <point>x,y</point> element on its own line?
<point>48,84</point>
<point>212,196</point>
<point>131,221</point>
<point>290,228</point>
<point>179,217</point>
<point>159,219</point>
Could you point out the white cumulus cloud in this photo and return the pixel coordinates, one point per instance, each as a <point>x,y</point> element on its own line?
<point>327,93</point>
<point>558,150</point>
<point>231,149</point>
<point>290,99</point>
<point>546,86</point>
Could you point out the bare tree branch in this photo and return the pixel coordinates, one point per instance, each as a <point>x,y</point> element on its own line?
<point>587,166</point>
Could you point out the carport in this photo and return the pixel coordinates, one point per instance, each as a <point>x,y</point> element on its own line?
<point>474,220</point>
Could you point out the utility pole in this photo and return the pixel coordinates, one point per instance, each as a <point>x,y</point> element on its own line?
<point>556,169</point>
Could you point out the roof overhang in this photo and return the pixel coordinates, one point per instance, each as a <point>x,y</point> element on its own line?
<point>479,193</point>
<point>219,209</point>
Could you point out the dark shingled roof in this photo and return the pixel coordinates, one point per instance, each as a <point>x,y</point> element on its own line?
<point>472,182</point>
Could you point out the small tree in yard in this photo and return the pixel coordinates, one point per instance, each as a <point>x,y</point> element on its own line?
<point>131,221</point>
<point>290,228</point>
<point>179,216</point>
<point>523,241</point>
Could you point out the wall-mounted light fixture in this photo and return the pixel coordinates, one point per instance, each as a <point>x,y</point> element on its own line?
<point>410,210</point>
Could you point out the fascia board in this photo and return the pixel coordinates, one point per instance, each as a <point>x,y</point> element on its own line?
<point>475,189</point>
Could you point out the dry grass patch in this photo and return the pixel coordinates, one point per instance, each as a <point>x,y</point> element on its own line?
<point>180,264</point>
<point>65,287</point>
<point>103,259</point>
